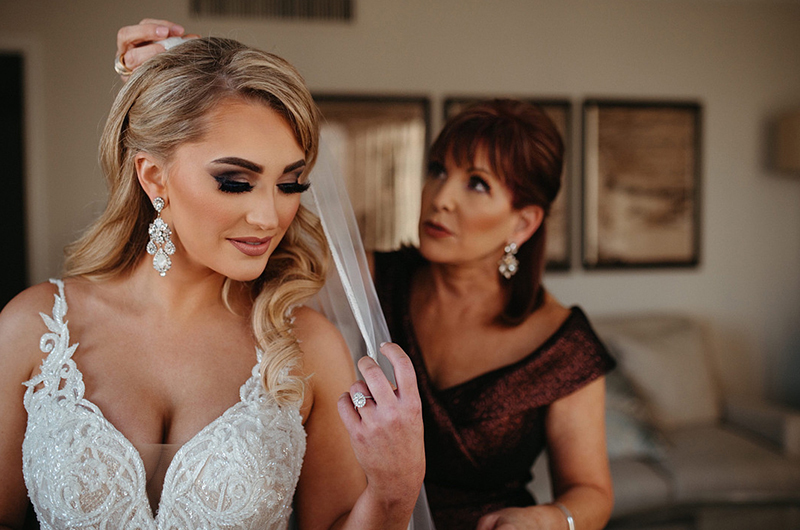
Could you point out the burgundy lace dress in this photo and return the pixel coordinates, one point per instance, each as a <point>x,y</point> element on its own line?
<point>482,436</point>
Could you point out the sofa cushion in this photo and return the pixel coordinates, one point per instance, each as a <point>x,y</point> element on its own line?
<point>630,430</point>
<point>717,464</point>
<point>666,358</point>
<point>639,485</point>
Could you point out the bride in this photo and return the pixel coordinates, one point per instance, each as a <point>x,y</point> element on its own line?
<point>174,378</point>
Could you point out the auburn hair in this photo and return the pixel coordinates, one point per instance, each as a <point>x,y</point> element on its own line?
<point>526,152</point>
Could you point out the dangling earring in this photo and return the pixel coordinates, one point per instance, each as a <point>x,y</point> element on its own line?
<point>160,245</point>
<point>509,264</point>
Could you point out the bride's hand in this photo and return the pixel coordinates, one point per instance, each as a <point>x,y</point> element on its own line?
<point>136,44</point>
<point>386,433</point>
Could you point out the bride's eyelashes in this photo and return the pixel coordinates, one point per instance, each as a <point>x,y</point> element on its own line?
<point>294,187</point>
<point>228,184</point>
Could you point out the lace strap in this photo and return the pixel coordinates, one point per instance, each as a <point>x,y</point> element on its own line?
<point>55,342</point>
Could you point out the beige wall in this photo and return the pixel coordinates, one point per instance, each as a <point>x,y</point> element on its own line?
<point>741,60</point>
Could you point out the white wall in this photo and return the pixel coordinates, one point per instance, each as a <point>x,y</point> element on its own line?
<point>741,60</point>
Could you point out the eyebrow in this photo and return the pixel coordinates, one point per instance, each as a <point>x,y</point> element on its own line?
<point>480,170</point>
<point>241,162</point>
<point>252,166</point>
<point>297,165</point>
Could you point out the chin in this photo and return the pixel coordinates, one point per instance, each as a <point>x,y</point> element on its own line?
<point>434,252</point>
<point>243,273</point>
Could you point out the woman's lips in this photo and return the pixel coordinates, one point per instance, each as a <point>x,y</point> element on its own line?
<point>435,230</point>
<point>251,246</point>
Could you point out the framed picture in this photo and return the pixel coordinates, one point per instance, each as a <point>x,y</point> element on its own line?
<point>641,184</point>
<point>558,225</point>
<point>381,143</point>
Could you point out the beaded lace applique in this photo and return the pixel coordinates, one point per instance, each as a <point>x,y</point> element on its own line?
<point>240,471</point>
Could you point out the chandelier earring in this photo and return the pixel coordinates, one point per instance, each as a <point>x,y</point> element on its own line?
<point>160,245</point>
<point>509,264</point>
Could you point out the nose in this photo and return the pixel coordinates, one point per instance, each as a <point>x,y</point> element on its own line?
<point>262,212</point>
<point>442,194</point>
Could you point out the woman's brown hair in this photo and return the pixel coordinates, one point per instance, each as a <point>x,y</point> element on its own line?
<point>526,152</point>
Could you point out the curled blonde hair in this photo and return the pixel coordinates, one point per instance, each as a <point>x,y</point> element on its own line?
<point>163,105</point>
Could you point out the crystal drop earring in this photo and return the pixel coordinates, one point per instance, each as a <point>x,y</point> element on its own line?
<point>509,264</point>
<point>160,245</point>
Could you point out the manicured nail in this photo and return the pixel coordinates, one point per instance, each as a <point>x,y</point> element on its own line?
<point>177,30</point>
<point>162,31</point>
<point>384,344</point>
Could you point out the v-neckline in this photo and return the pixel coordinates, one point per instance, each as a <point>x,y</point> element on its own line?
<point>138,461</point>
<point>499,370</point>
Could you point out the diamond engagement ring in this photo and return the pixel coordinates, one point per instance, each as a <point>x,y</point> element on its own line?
<point>359,399</point>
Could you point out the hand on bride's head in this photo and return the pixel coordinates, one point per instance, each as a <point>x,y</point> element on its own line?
<point>136,44</point>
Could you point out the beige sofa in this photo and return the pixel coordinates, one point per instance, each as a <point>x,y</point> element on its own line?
<point>680,439</point>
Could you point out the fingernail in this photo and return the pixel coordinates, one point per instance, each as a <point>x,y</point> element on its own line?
<point>162,31</point>
<point>178,30</point>
<point>384,344</point>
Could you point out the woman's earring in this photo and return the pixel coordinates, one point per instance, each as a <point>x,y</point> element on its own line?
<point>160,245</point>
<point>509,264</point>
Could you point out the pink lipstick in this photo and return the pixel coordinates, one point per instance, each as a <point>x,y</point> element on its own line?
<point>251,246</point>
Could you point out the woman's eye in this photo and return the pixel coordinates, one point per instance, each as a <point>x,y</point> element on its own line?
<point>229,185</point>
<point>293,187</point>
<point>436,170</point>
<point>479,184</point>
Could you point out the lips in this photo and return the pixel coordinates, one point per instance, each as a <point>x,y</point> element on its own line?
<point>251,246</point>
<point>436,230</point>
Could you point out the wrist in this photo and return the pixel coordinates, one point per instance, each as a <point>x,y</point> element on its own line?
<point>390,507</point>
<point>567,515</point>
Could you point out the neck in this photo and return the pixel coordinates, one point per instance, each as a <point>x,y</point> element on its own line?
<point>474,285</point>
<point>181,294</point>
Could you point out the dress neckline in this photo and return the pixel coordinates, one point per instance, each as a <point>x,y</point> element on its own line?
<point>138,462</point>
<point>574,312</point>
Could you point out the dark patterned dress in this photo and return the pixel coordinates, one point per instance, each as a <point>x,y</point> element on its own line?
<point>482,436</point>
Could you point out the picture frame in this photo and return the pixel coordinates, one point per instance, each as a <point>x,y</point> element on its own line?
<point>641,184</point>
<point>558,253</point>
<point>381,142</point>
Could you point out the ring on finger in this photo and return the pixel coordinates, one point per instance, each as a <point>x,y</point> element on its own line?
<point>359,399</point>
<point>120,67</point>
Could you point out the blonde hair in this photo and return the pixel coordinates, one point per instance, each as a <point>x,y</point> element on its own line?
<point>163,105</point>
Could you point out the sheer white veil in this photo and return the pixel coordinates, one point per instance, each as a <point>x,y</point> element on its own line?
<point>348,298</point>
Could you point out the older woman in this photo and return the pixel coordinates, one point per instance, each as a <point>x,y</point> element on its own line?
<point>503,368</point>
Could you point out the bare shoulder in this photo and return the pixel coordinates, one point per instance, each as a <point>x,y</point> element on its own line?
<point>326,359</point>
<point>322,344</point>
<point>21,314</point>
<point>21,327</point>
<point>552,314</point>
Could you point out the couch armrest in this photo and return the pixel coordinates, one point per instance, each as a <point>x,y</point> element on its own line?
<point>776,423</point>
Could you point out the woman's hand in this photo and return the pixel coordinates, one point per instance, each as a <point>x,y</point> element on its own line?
<point>386,433</point>
<point>136,44</point>
<point>529,518</point>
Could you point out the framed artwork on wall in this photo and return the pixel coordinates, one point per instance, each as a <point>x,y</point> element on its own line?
<point>558,225</point>
<point>641,184</point>
<point>381,143</point>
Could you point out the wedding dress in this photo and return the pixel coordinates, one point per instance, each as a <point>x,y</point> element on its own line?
<point>240,471</point>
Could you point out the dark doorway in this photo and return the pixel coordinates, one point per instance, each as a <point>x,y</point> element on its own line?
<point>13,263</point>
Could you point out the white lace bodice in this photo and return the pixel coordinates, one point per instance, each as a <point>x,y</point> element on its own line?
<point>240,471</point>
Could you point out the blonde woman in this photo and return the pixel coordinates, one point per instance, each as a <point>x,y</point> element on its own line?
<point>173,378</point>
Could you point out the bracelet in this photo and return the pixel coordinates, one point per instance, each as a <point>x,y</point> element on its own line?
<point>567,514</point>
